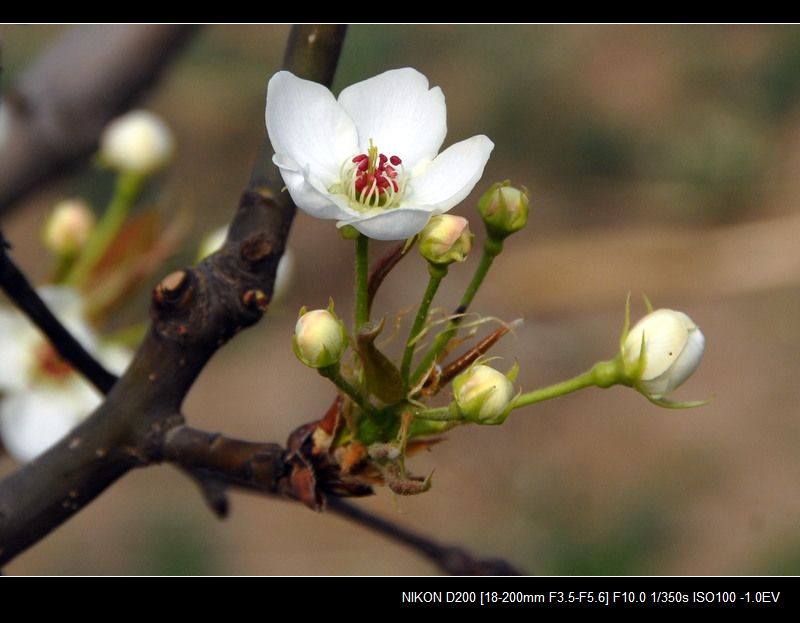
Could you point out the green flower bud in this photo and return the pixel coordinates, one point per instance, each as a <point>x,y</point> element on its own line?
<point>319,338</point>
<point>504,209</point>
<point>661,351</point>
<point>483,395</point>
<point>445,239</point>
<point>68,227</point>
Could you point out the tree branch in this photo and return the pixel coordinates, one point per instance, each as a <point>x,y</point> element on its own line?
<point>20,291</point>
<point>55,114</point>
<point>451,559</point>
<point>194,312</point>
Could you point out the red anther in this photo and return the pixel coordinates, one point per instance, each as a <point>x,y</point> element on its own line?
<point>395,186</point>
<point>360,183</point>
<point>391,172</point>
<point>362,165</point>
<point>360,157</point>
<point>395,160</point>
<point>382,182</point>
<point>382,159</point>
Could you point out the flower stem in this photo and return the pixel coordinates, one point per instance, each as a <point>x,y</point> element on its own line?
<point>602,374</point>
<point>362,268</point>
<point>126,191</point>
<point>437,273</point>
<point>333,373</point>
<point>491,249</point>
<point>440,414</point>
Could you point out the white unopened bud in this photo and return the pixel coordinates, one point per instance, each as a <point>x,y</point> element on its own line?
<point>138,142</point>
<point>661,351</point>
<point>445,239</point>
<point>68,227</point>
<point>483,395</point>
<point>319,338</point>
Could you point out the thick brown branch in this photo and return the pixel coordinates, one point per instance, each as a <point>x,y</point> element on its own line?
<point>194,312</point>
<point>451,559</point>
<point>246,464</point>
<point>16,286</point>
<point>54,115</point>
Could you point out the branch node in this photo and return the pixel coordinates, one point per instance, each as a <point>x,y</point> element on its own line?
<point>174,291</point>
<point>256,299</point>
<point>255,249</point>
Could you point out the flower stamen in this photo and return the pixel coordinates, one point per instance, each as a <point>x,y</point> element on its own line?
<point>373,180</point>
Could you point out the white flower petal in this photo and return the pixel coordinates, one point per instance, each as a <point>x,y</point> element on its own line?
<point>17,338</point>
<point>452,175</point>
<point>115,358</point>
<point>306,123</point>
<point>398,111</point>
<point>33,421</point>
<point>317,203</point>
<point>394,224</point>
<point>68,306</point>
<point>688,360</point>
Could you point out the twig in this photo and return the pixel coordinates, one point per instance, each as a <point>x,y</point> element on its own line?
<point>453,560</point>
<point>20,291</point>
<point>55,113</point>
<point>382,268</point>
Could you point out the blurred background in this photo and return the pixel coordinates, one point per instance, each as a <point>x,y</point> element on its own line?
<point>660,159</point>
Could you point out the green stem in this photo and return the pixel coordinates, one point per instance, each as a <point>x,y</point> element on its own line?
<point>603,374</point>
<point>437,273</point>
<point>491,249</point>
<point>441,414</point>
<point>333,373</point>
<point>362,269</point>
<point>126,191</point>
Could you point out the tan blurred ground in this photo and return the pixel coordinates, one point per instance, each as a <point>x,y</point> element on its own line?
<point>659,159</point>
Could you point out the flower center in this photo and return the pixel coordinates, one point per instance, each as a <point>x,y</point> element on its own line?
<point>373,180</point>
<point>49,364</point>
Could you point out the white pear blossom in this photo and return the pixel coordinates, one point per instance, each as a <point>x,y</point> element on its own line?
<point>42,397</point>
<point>371,158</point>
<point>661,351</point>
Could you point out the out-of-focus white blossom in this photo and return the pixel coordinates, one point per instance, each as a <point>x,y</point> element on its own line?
<point>42,397</point>
<point>138,142</point>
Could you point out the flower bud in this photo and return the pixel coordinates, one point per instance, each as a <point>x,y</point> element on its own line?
<point>483,395</point>
<point>504,209</point>
<point>68,227</point>
<point>138,142</point>
<point>445,239</point>
<point>319,338</point>
<point>661,351</point>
